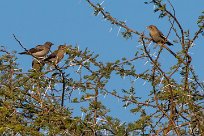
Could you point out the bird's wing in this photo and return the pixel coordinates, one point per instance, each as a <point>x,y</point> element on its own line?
<point>53,55</point>
<point>36,49</point>
<point>37,64</point>
<point>162,35</point>
<point>164,39</point>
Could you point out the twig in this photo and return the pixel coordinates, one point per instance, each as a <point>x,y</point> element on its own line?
<point>19,43</point>
<point>197,33</point>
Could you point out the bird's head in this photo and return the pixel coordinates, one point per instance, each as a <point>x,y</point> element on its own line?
<point>49,44</point>
<point>151,28</point>
<point>62,47</point>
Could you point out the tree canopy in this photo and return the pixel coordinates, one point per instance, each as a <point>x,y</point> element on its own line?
<point>36,102</point>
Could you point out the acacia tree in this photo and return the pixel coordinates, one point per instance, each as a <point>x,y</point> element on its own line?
<point>31,104</point>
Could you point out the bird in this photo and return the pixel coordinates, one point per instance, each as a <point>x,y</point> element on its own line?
<point>39,51</point>
<point>157,36</point>
<point>57,55</point>
<point>37,64</point>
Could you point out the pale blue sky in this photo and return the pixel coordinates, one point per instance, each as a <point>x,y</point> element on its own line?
<point>72,22</point>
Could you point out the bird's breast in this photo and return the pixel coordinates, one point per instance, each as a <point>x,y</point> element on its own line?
<point>41,53</point>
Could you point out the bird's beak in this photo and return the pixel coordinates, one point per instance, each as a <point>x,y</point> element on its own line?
<point>147,27</point>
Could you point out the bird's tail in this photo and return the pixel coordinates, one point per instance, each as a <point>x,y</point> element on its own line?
<point>170,44</point>
<point>170,51</point>
<point>23,53</point>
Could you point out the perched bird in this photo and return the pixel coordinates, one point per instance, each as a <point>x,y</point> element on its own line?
<point>157,36</point>
<point>37,64</point>
<point>39,51</point>
<point>57,55</point>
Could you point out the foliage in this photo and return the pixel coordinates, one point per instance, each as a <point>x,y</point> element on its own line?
<point>31,104</point>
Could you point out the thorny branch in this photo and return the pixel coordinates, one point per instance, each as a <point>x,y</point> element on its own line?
<point>107,16</point>
<point>184,61</point>
<point>156,66</point>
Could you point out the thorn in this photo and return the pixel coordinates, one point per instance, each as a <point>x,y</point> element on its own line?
<point>78,70</point>
<point>79,92</point>
<point>190,52</point>
<point>161,80</point>
<point>119,30</point>
<point>104,96</point>
<point>110,29</point>
<point>154,6</point>
<point>82,115</point>
<point>123,76</point>
<point>146,62</point>
<point>154,54</point>
<point>78,47</point>
<point>138,46</point>
<point>144,83</point>
<point>135,79</point>
<point>149,45</point>
<point>102,2</point>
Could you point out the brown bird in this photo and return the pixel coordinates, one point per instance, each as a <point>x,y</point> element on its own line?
<point>57,55</point>
<point>37,64</point>
<point>157,36</point>
<point>39,51</point>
